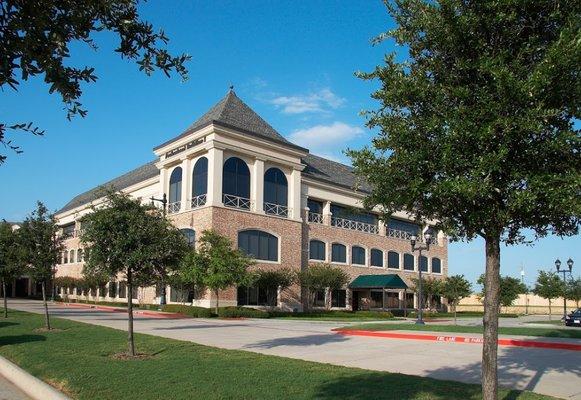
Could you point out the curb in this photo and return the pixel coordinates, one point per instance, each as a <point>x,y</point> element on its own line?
<point>461,339</point>
<point>31,385</point>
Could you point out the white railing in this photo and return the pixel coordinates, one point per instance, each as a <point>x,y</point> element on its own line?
<point>230,200</point>
<point>199,201</point>
<point>174,207</point>
<point>315,217</point>
<point>397,234</point>
<point>276,209</point>
<point>354,225</point>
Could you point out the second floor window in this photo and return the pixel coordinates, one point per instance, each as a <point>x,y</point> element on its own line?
<point>424,263</point>
<point>175,185</point>
<point>200,177</point>
<point>236,178</point>
<point>393,260</point>
<point>259,245</point>
<point>358,255</point>
<point>408,262</point>
<point>376,258</point>
<point>338,253</point>
<point>436,265</point>
<point>317,250</point>
<point>275,187</point>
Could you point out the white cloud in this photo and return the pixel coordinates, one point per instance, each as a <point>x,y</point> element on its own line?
<point>320,138</point>
<point>319,101</point>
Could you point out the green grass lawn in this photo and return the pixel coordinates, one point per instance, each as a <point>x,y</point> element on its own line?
<point>77,358</point>
<point>524,331</point>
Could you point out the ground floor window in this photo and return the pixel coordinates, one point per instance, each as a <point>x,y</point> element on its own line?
<point>112,289</point>
<point>257,296</point>
<point>391,300</point>
<point>180,294</point>
<point>376,299</point>
<point>94,292</point>
<point>134,292</point>
<point>436,302</point>
<point>319,298</point>
<point>339,298</point>
<point>122,290</point>
<point>409,300</point>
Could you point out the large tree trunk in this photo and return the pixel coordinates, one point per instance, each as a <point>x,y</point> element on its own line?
<point>491,310</point>
<point>217,300</point>
<point>5,298</point>
<point>44,303</point>
<point>130,340</point>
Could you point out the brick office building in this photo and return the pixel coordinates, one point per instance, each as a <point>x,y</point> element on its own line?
<point>232,172</point>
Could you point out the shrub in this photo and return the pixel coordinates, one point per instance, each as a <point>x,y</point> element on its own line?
<point>241,312</point>
<point>190,311</point>
<point>333,313</point>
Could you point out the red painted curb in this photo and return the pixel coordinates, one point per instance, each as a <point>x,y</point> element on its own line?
<point>461,339</point>
<point>153,314</point>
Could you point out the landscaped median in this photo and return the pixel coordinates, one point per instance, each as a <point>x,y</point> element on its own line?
<point>79,359</point>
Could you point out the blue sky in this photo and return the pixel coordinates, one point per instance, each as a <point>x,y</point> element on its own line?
<point>293,62</point>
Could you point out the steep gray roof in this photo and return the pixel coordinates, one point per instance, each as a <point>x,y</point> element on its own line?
<point>332,172</point>
<point>133,177</point>
<point>231,112</point>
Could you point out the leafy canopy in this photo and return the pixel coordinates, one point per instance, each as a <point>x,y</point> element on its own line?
<point>36,36</point>
<point>278,278</point>
<point>573,290</point>
<point>455,288</point>
<point>323,277</point>
<point>510,289</point>
<point>476,126</point>
<point>548,285</point>
<point>10,265</point>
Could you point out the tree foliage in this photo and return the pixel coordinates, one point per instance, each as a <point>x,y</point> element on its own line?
<point>454,289</point>
<point>36,37</point>
<point>322,277</point>
<point>510,289</point>
<point>548,286</point>
<point>10,263</point>
<point>430,287</point>
<point>573,290</point>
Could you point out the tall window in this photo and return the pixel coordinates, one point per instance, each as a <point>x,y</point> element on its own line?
<point>405,226</point>
<point>358,255</point>
<point>317,250</point>
<point>190,236</point>
<point>79,255</point>
<point>339,298</point>
<point>200,177</point>
<point>408,262</point>
<point>393,260</point>
<point>122,289</point>
<point>436,265</point>
<point>112,289</point>
<point>275,187</point>
<point>236,178</point>
<point>259,245</point>
<point>338,253</point>
<point>424,263</point>
<point>175,185</point>
<point>65,257</point>
<point>257,296</point>
<point>376,258</point>
<point>72,256</point>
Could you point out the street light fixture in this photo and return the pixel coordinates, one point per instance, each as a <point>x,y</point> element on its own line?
<point>564,272</point>
<point>420,246</point>
<point>162,295</point>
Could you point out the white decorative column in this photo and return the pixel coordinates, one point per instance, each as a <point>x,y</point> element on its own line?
<point>162,182</point>
<point>304,207</point>
<point>295,194</point>
<point>257,186</point>
<point>186,184</point>
<point>215,164</point>
<point>327,213</point>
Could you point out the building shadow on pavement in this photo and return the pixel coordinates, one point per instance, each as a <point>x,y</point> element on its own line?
<point>310,340</point>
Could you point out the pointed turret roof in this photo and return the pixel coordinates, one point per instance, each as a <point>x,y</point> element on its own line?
<point>231,112</point>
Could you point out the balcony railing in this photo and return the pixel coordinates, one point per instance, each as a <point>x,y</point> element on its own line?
<point>315,217</point>
<point>230,200</point>
<point>174,207</point>
<point>397,234</point>
<point>199,201</point>
<point>276,209</point>
<point>354,225</point>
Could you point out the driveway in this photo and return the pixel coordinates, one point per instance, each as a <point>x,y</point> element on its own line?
<point>551,372</point>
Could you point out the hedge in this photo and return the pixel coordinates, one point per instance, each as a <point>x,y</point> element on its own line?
<point>190,311</point>
<point>241,312</point>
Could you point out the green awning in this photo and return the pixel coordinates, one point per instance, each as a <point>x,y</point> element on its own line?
<point>391,281</point>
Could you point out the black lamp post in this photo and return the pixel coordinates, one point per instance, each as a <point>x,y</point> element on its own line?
<point>420,247</point>
<point>564,272</point>
<point>163,201</point>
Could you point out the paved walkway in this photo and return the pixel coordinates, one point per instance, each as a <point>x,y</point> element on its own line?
<point>552,372</point>
<point>10,392</point>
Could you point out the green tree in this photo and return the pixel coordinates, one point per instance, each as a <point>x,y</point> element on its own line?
<point>510,289</point>
<point>35,41</point>
<point>430,287</point>
<point>476,128</point>
<point>273,281</point>
<point>216,265</point>
<point>40,249</point>
<point>10,266</point>
<point>454,289</point>
<point>573,290</point>
<point>548,286</point>
<point>125,237</point>
<point>322,277</point>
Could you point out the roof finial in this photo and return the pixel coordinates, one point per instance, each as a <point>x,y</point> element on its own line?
<point>231,87</point>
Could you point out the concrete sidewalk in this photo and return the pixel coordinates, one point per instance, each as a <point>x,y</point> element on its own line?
<point>8,391</point>
<point>551,372</point>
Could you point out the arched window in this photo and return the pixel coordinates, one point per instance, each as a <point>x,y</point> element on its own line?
<point>317,250</point>
<point>393,260</point>
<point>259,245</point>
<point>175,185</point>
<point>65,257</point>
<point>338,253</point>
<point>236,179</point>
<point>436,265</point>
<point>275,187</point>
<point>190,235</point>
<point>79,255</point>
<point>200,178</point>
<point>408,262</point>
<point>72,256</point>
<point>424,263</point>
<point>376,258</point>
<point>358,255</point>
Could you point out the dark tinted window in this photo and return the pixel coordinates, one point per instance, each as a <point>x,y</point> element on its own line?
<point>404,226</point>
<point>436,265</point>
<point>424,263</point>
<point>357,255</point>
<point>338,253</point>
<point>317,250</point>
<point>236,178</point>
<point>376,258</point>
<point>257,296</point>
<point>200,177</point>
<point>275,187</point>
<point>190,235</point>
<point>112,289</point>
<point>259,245</point>
<point>353,215</point>
<point>338,298</point>
<point>393,260</point>
<point>175,185</point>
<point>122,290</point>
<point>315,206</point>
<point>408,262</point>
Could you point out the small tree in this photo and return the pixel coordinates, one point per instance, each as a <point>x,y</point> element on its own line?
<point>430,287</point>
<point>273,280</point>
<point>323,277</point>
<point>548,286</point>
<point>129,238</point>
<point>10,266</point>
<point>573,290</point>
<point>40,249</point>
<point>510,289</point>
<point>454,289</point>
<point>217,265</point>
